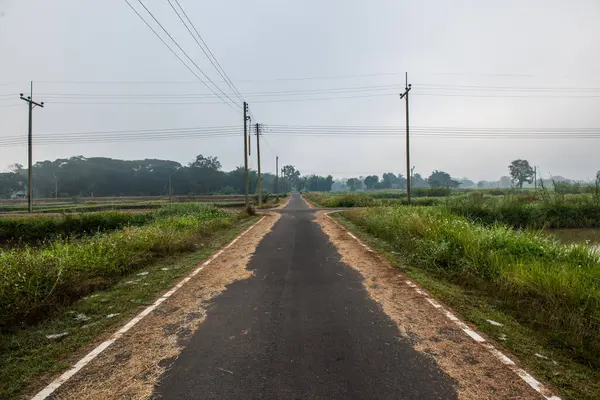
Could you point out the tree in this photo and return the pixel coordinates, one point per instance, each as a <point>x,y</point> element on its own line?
<point>520,172</point>
<point>352,184</point>
<point>388,180</point>
<point>370,181</point>
<point>465,182</point>
<point>416,180</point>
<point>206,163</point>
<point>291,175</point>
<point>482,184</point>
<point>442,179</point>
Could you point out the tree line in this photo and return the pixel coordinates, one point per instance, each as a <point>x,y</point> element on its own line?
<point>99,176</point>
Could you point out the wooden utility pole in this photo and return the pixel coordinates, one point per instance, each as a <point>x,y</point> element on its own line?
<point>258,156</point>
<point>408,171</point>
<point>277,174</point>
<point>246,152</point>
<point>32,104</point>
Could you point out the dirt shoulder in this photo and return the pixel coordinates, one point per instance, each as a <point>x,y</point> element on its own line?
<point>131,367</point>
<point>479,375</point>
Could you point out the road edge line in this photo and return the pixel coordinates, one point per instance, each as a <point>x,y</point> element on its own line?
<point>520,372</point>
<point>65,376</point>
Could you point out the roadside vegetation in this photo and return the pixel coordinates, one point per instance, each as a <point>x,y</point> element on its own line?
<point>34,350</point>
<point>17,230</point>
<point>544,292</point>
<point>39,280</point>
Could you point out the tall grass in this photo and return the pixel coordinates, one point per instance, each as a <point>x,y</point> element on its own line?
<point>41,228</point>
<point>365,199</point>
<point>553,288</point>
<point>530,210</point>
<point>35,281</point>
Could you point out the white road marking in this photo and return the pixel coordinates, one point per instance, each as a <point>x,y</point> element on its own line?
<point>58,382</point>
<point>524,375</point>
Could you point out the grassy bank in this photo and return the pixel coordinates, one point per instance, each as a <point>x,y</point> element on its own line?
<point>545,294</point>
<point>29,353</point>
<point>37,281</point>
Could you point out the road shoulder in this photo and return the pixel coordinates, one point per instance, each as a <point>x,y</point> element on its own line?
<point>478,373</point>
<point>132,365</point>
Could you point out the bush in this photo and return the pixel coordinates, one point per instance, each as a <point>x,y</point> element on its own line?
<point>550,287</point>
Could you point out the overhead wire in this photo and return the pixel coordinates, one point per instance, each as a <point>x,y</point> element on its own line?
<point>173,51</point>
<point>210,57</point>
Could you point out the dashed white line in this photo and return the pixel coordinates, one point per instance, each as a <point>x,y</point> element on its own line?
<point>524,375</point>
<point>58,382</point>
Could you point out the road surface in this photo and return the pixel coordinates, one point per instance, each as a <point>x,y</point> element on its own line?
<point>303,327</point>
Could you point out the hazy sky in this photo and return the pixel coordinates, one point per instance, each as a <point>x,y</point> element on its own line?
<point>473,64</point>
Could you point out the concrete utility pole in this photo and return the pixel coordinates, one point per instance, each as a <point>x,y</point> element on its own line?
<point>258,156</point>
<point>277,174</point>
<point>31,104</point>
<point>246,151</point>
<point>408,172</point>
<point>535,178</point>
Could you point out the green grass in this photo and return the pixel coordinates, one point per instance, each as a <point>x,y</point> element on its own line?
<point>36,281</point>
<point>541,210</point>
<point>20,230</point>
<point>27,353</point>
<point>563,368</point>
<point>552,288</point>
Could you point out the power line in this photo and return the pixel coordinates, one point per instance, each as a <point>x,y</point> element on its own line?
<point>212,57</point>
<point>173,51</point>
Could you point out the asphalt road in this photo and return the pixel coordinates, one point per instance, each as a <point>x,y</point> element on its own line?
<point>303,327</point>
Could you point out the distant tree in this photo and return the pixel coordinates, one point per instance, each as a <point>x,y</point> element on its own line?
<point>388,180</point>
<point>442,179</point>
<point>206,163</point>
<point>505,182</point>
<point>482,184</point>
<point>291,175</point>
<point>464,182</point>
<point>417,180</point>
<point>371,181</point>
<point>301,184</point>
<point>520,172</point>
<point>353,184</point>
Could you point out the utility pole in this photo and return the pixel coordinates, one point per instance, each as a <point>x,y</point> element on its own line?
<point>535,178</point>
<point>277,174</point>
<point>31,104</point>
<point>258,156</point>
<point>408,171</point>
<point>246,152</point>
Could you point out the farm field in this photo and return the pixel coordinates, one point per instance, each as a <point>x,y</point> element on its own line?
<point>66,279</point>
<point>129,203</point>
<point>527,261</point>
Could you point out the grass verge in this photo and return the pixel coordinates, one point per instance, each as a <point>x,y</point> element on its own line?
<point>36,281</point>
<point>561,366</point>
<point>28,355</point>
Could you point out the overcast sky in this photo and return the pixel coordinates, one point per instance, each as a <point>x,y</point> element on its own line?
<point>461,57</point>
